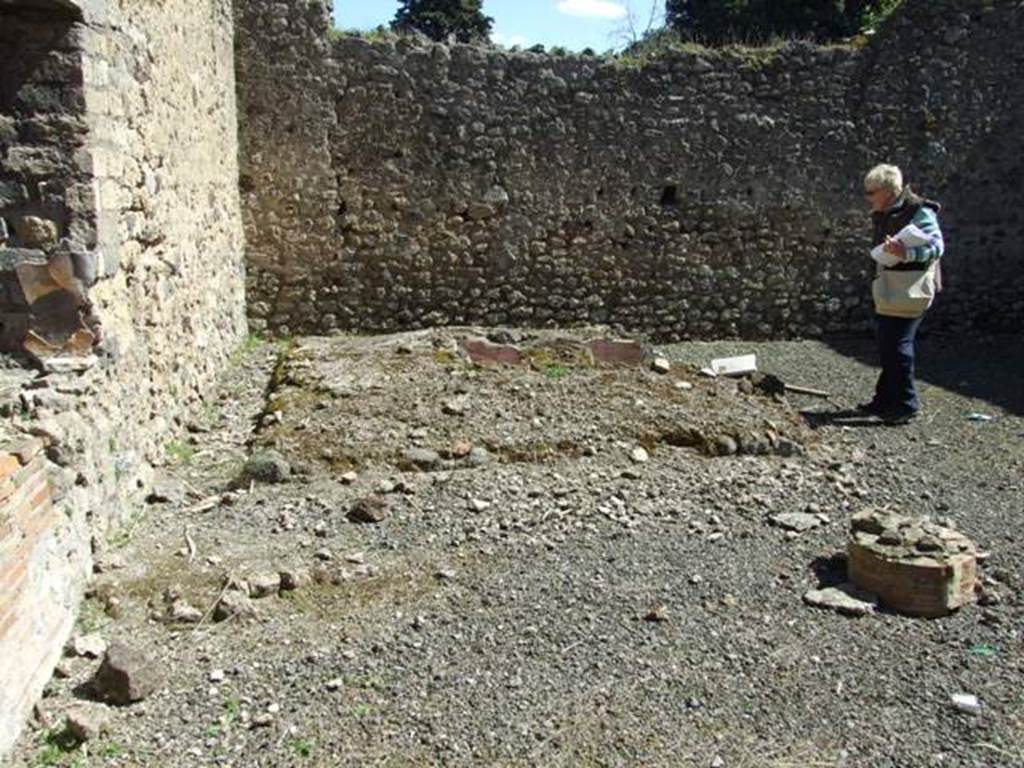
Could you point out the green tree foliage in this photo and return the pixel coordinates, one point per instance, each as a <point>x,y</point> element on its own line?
<point>715,22</point>
<point>438,19</point>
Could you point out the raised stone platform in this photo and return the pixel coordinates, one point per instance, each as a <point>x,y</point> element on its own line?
<point>912,564</point>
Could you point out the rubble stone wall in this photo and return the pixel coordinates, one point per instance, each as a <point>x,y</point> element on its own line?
<point>45,184</point>
<point>143,191</point>
<point>702,194</point>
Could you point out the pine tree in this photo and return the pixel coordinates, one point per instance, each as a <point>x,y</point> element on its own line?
<point>438,19</point>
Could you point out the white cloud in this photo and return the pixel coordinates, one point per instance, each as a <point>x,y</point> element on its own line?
<point>500,38</point>
<point>594,9</point>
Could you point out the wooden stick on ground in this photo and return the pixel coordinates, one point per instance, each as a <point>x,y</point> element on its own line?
<point>807,391</point>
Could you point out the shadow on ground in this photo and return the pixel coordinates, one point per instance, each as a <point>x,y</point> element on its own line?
<point>989,369</point>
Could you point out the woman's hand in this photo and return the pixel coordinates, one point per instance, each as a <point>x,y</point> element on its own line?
<point>895,248</point>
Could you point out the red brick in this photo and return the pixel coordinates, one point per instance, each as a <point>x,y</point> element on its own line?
<point>617,352</point>
<point>482,352</point>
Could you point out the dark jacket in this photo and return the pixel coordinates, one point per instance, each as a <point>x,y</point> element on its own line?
<point>888,223</point>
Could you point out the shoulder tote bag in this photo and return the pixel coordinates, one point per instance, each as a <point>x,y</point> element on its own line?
<point>904,293</point>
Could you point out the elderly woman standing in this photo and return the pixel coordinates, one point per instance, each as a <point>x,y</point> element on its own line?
<point>903,291</point>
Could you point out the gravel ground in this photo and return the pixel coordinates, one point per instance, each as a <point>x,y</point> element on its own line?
<point>555,601</point>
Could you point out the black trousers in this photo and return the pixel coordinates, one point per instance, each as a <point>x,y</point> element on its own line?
<point>895,391</point>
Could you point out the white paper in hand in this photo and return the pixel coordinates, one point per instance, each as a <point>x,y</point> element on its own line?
<point>911,236</point>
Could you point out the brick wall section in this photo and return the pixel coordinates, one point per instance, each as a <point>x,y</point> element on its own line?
<point>35,614</point>
<point>703,194</point>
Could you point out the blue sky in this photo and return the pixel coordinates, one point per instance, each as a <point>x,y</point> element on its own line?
<point>573,24</point>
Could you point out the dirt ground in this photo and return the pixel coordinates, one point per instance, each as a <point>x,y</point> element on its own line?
<point>569,563</point>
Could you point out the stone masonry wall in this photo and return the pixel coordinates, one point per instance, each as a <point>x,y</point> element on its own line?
<point>703,194</point>
<point>161,274</point>
<point>45,192</point>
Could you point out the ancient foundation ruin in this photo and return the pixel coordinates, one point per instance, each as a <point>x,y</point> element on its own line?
<point>173,174</point>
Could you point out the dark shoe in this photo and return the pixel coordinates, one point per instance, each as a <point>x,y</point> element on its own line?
<point>899,418</point>
<point>870,408</point>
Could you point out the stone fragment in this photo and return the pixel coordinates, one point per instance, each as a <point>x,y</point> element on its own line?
<point>105,563</point>
<point>88,646</point>
<point>798,522</point>
<point>460,448</point>
<point>368,509</point>
<point>966,703</point>
<point>786,448</point>
<point>87,721</point>
<point>477,457</point>
<point>348,478</point>
<point>639,455</point>
<point>266,467</point>
<point>845,599</point>
<point>181,612</point>
<point>294,578</point>
<point>167,491</point>
<point>36,232</point>
<point>422,459</point>
<point>479,210</point>
<point>661,365</point>
<point>264,584</point>
<point>867,521</point>
<point>233,604</point>
<point>726,445</point>
<point>262,720</point>
<point>455,406</point>
<point>658,613</point>
<point>124,677</point>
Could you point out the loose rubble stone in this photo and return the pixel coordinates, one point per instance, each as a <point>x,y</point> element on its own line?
<point>294,578</point>
<point>845,599</point>
<point>233,604</point>
<point>421,459</point>
<point>124,677</point>
<point>455,406</point>
<point>167,491</point>
<point>180,611</point>
<point>661,365</point>
<point>89,646</point>
<point>658,613</point>
<point>966,703</point>
<point>36,232</point>
<point>478,457</point>
<point>726,445</point>
<point>264,584</point>
<point>368,509</point>
<point>796,521</point>
<point>639,455</point>
<point>87,721</point>
<point>266,467</point>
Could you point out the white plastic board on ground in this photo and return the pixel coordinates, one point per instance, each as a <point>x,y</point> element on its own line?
<point>734,366</point>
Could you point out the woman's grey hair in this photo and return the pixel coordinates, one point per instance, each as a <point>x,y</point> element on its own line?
<point>885,177</point>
